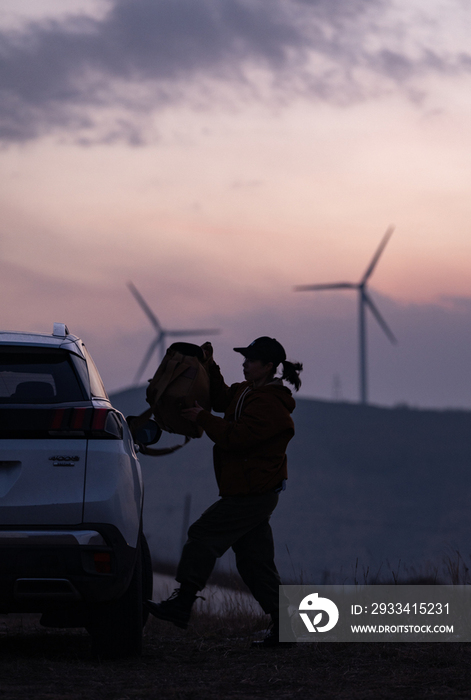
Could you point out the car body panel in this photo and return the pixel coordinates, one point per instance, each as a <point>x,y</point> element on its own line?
<point>42,481</point>
<point>113,488</point>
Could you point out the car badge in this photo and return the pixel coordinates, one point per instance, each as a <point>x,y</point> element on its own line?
<point>64,460</point>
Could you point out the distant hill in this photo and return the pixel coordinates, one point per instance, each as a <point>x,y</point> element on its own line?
<point>387,488</point>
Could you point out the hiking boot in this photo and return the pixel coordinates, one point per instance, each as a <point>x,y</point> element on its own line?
<point>176,609</point>
<point>272,640</point>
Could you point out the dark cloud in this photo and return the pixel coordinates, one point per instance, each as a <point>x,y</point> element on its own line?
<point>51,72</point>
<point>146,53</point>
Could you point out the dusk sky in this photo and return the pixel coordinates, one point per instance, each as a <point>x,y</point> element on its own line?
<point>217,153</point>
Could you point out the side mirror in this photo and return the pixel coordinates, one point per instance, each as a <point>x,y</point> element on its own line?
<point>147,434</point>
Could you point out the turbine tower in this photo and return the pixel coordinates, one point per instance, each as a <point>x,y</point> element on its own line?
<point>364,300</point>
<point>158,344</point>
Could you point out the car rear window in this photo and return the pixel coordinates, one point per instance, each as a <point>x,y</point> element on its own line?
<point>38,375</point>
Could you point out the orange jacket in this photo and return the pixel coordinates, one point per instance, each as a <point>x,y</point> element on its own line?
<point>251,440</point>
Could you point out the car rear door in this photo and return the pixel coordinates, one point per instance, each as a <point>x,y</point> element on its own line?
<point>42,481</point>
<point>46,415</point>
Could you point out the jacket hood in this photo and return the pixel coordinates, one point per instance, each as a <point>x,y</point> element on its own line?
<point>281,392</point>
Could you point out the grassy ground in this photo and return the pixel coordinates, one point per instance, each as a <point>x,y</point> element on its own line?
<point>213,659</point>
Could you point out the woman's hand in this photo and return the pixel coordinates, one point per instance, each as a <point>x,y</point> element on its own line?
<point>191,414</point>
<point>207,349</point>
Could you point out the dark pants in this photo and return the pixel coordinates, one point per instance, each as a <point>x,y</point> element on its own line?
<point>240,522</point>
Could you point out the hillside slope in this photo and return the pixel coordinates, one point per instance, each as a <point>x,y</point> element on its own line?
<point>377,485</point>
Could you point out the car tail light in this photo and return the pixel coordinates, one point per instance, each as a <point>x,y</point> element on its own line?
<point>57,419</point>
<point>78,417</point>
<point>89,422</point>
<point>99,418</point>
<point>102,561</point>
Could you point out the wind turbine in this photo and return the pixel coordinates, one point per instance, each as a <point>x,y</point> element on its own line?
<point>158,344</point>
<point>364,300</point>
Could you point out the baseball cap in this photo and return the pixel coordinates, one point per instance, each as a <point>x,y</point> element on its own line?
<point>265,349</point>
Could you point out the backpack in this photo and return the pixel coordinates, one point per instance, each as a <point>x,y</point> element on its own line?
<point>180,380</point>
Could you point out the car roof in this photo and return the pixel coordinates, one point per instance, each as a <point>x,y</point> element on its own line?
<point>60,338</point>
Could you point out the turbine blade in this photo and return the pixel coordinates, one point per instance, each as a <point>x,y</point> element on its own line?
<point>146,360</point>
<point>377,255</point>
<point>195,331</point>
<point>161,350</point>
<point>317,287</point>
<point>374,310</point>
<point>145,307</point>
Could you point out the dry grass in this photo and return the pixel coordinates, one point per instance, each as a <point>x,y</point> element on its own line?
<point>213,659</point>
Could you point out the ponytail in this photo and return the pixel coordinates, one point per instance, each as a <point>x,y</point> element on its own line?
<point>291,372</point>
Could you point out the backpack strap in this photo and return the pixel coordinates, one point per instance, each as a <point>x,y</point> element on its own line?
<point>152,452</point>
<point>140,421</point>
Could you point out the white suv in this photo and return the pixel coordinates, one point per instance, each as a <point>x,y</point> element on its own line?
<point>71,495</point>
